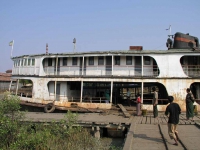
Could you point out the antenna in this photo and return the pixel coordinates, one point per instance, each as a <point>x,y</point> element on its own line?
<point>74,41</point>
<point>170,28</point>
<point>47,48</point>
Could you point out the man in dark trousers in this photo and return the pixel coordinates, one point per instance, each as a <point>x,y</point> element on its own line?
<point>173,111</point>
<point>155,102</point>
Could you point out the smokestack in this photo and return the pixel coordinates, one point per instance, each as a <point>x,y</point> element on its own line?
<point>47,48</point>
<point>137,48</point>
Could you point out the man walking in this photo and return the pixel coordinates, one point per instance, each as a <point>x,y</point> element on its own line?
<point>155,102</point>
<point>173,110</point>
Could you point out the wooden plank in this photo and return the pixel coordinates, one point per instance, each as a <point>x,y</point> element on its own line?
<point>125,112</point>
<point>144,120</point>
<point>166,118</point>
<point>183,119</point>
<point>151,119</point>
<point>163,121</point>
<point>148,119</point>
<point>140,119</point>
<point>156,121</point>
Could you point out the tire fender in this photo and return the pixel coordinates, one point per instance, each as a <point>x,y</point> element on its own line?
<point>50,107</point>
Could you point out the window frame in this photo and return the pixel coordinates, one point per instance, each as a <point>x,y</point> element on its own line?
<point>64,61</point>
<point>91,61</point>
<point>129,60</point>
<point>74,61</point>
<point>117,60</point>
<point>50,62</point>
<point>147,60</point>
<point>101,60</point>
<point>33,62</point>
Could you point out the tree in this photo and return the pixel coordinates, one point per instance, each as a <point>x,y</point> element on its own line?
<point>17,134</point>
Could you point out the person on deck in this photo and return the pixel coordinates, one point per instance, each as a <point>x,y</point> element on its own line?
<point>155,102</point>
<point>189,104</point>
<point>173,111</point>
<point>87,98</point>
<point>107,96</point>
<point>128,95</point>
<point>138,105</point>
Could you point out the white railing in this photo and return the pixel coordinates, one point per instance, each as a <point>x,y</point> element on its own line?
<point>102,71</point>
<point>191,70</point>
<point>25,70</point>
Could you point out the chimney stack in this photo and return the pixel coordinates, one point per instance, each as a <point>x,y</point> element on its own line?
<point>136,48</point>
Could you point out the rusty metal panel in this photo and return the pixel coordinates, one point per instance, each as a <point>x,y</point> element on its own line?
<point>139,48</point>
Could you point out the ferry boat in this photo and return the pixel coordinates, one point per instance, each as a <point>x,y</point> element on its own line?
<point>79,80</point>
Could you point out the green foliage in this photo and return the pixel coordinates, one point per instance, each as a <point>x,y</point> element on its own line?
<point>16,134</point>
<point>10,117</point>
<point>24,82</point>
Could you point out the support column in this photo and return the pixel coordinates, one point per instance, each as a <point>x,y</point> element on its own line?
<point>56,66</point>
<point>83,65</point>
<point>34,66</point>
<point>142,65</point>
<point>55,90</point>
<point>81,91</point>
<point>142,91</point>
<point>112,65</point>
<point>10,85</point>
<point>97,133</point>
<point>111,91</point>
<point>17,86</point>
<point>19,69</point>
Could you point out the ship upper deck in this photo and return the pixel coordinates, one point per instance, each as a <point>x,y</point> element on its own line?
<point>181,63</point>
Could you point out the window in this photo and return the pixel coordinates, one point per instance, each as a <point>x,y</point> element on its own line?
<point>65,61</point>
<point>74,61</point>
<point>50,62</point>
<point>128,60</point>
<point>18,62</point>
<point>100,60</point>
<point>29,62</point>
<point>147,60</point>
<point>91,61</point>
<point>117,60</point>
<point>33,62</point>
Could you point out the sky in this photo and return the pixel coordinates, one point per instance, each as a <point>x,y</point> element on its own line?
<point>97,25</point>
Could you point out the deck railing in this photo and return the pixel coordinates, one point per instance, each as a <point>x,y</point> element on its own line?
<point>25,70</point>
<point>103,70</point>
<point>191,70</point>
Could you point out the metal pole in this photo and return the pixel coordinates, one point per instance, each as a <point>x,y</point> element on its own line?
<point>142,65</point>
<point>55,89</point>
<point>17,86</point>
<point>81,91</point>
<point>56,65</point>
<point>74,47</point>
<point>10,85</point>
<point>11,49</point>
<point>111,91</point>
<point>112,65</point>
<point>142,91</point>
<point>83,65</point>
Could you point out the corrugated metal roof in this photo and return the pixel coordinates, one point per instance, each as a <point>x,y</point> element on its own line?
<point>5,76</point>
